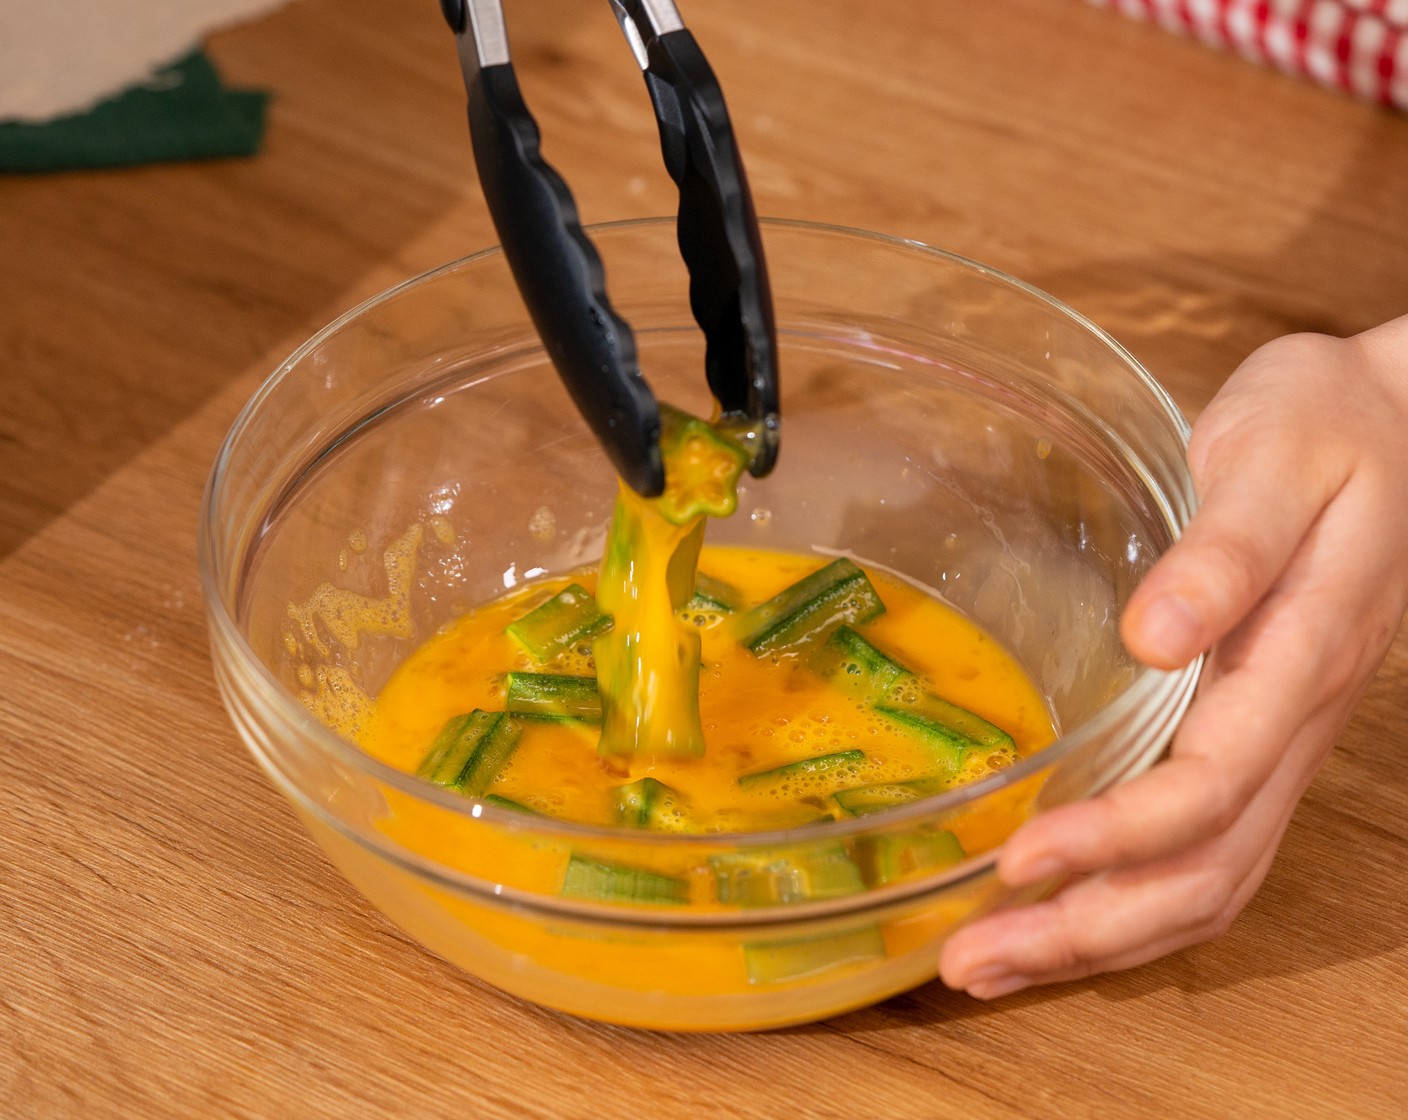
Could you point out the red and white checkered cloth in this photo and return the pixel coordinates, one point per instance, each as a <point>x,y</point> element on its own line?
<point>1359,46</point>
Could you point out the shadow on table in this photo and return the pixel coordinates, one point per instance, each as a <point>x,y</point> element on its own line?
<point>148,290</point>
<point>1185,316</point>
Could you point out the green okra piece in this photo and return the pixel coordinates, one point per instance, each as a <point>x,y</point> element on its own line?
<point>702,467</point>
<point>613,882</point>
<point>784,876</point>
<point>648,803</point>
<point>921,705</point>
<point>859,800</point>
<point>838,763</point>
<point>886,857</point>
<point>949,730</point>
<point>551,628</point>
<point>853,664</point>
<point>837,594</point>
<point>470,751</point>
<point>712,596</point>
<point>784,959</point>
<point>553,696</point>
<point>508,803</point>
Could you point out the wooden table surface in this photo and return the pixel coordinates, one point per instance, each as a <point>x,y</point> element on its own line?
<point>172,945</point>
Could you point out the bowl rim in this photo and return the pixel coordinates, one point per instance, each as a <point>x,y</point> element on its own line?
<point>1146,686</point>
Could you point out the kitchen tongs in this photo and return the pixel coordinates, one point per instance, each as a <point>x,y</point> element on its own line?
<point>559,273</point>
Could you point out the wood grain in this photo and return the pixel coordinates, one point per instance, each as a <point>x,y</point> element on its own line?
<point>171,944</point>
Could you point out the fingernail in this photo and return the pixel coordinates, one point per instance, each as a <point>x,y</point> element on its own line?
<point>995,983</point>
<point>1171,629</point>
<point>1041,869</point>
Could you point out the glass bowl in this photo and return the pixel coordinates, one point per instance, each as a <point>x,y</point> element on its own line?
<point>419,457</point>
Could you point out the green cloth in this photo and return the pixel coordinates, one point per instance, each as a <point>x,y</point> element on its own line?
<point>182,112</point>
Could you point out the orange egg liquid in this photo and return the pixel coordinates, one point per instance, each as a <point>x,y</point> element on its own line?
<point>757,713</point>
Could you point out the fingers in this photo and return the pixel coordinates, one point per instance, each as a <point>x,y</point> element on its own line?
<point>1261,687</point>
<point>1290,660</point>
<point>1137,910</point>
<point>1172,856</point>
<point>1229,745</point>
<point>1293,573</point>
<point>1126,917</point>
<point>1100,924</point>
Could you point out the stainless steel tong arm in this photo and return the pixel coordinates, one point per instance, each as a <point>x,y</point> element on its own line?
<point>659,17</point>
<point>487,41</point>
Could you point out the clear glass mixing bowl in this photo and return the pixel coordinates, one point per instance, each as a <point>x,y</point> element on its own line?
<point>418,456</point>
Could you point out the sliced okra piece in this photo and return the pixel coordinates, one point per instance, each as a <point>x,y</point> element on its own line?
<point>834,595</point>
<point>776,962</point>
<point>649,803</point>
<point>856,801</point>
<point>784,876</point>
<point>712,596</point>
<point>553,696</point>
<point>551,628</point>
<point>838,764</point>
<point>614,882</point>
<point>470,750</point>
<point>888,856</point>
<point>947,729</point>
<point>849,661</point>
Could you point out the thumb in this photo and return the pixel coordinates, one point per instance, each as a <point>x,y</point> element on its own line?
<point>1263,484</point>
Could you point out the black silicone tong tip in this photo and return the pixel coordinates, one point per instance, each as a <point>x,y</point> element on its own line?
<point>719,239</point>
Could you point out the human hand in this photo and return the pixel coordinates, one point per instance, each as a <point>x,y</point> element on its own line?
<point>1294,573</point>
